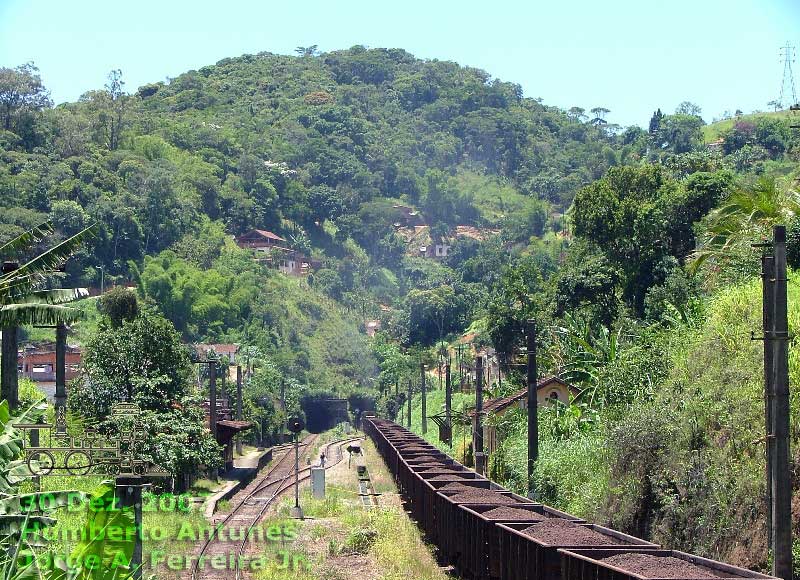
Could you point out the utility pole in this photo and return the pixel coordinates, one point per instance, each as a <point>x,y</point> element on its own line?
<point>297,474</point>
<point>781,479</point>
<point>9,381</point>
<point>408,419</point>
<point>424,410</point>
<point>767,282</point>
<point>533,406</point>
<point>212,397</point>
<point>478,435</point>
<point>439,370</point>
<point>460,369</point>
<point>128,492</point>
<point>238,404</point>
<point>448,400</point>
<point>61,378</point>
<point>283,403</point>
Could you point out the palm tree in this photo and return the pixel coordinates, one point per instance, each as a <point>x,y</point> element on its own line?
<point>23,301</point>
<point>749,213</point>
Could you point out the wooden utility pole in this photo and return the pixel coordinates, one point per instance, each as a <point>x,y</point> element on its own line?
<point>533,407</point>
<point>781,478</point>
<point>238,404</point>
<point>478,434</point>
<point>424,409</point>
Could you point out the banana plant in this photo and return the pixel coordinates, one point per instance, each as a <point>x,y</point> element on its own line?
<point>22,515</point>
<point>22,554</point>
<point>586,351</point>
<point>21,299</point>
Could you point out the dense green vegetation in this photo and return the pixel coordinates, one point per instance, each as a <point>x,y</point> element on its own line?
<point>631,249</point>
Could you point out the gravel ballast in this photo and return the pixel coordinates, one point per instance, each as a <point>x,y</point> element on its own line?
<point>651,566</point>
<point>558,532</point>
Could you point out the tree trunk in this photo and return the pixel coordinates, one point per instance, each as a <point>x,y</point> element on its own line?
<point>9,389</point>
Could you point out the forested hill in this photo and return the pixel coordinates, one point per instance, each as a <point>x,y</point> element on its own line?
<point>283,142</point>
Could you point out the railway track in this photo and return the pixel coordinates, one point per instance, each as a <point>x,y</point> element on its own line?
<point>259,496</point>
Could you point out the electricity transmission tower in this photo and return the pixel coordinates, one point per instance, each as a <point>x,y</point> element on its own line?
<point>788,53</point>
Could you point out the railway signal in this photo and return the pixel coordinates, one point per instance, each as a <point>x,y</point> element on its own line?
<point>296,425</point>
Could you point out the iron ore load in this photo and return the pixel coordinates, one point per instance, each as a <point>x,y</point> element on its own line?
<point>487,532</point>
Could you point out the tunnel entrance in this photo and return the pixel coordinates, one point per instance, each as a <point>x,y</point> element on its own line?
<point>323,413</point>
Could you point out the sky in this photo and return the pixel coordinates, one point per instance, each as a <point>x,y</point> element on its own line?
<point>629,56</point>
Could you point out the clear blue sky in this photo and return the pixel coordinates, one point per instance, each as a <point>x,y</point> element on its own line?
<point>630,56</point>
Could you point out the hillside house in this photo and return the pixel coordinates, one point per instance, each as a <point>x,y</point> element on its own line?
<point>372,326</point>
<point>276,253</point>
<point>294,263</point>
<point>227,350</point>
<point>261,240</point>
<point>548,390</point>
<point>439,250</point>
<point>407,216</point>
<point>38,363</point>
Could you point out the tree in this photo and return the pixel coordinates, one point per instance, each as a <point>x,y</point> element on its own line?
<point>141,361</point>
<point>688,108</point>
<point>23,302</point>
<point>108,108</point>
<point>120,305</point>
<point>680,132</point>
<point>325,203</point>
<point>117,107</point>
<point>655,122</point>
<point>21,299</point>
<point>748,214</point>
<point>433,313</point>
<point>577,113</point>
<point>178,439</point>
<point>21,91</point>
<point>588,280</point>
<point>599,115</point>
<point>307,51</point>
<point>517,298</point>
<point>639,216</point>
